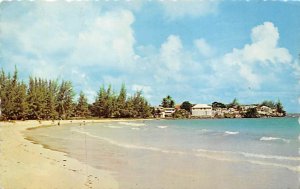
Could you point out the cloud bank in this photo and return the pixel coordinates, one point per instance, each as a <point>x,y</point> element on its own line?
<point>92,44</point>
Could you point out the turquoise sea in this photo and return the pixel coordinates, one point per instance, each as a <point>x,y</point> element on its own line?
<point>207,153</point>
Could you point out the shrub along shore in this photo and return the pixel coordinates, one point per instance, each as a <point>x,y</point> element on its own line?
<point>43,99</point>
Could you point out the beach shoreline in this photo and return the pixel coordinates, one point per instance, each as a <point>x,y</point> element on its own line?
<point>27,165</point>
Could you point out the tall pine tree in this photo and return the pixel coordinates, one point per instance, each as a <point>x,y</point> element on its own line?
<point>65,104</point>
<point>82,105</point>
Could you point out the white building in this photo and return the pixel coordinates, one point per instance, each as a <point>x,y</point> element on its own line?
<point>202,110</point>
<point>161,112</point>
<point>169,112</point>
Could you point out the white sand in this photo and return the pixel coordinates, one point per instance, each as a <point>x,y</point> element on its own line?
<point>27,165</point>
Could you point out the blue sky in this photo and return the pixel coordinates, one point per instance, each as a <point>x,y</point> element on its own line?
<point>201,51</point>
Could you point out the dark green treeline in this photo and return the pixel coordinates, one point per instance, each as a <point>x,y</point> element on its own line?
<point>43,99</point>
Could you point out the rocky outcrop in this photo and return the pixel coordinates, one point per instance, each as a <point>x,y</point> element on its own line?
<point>246,111</point>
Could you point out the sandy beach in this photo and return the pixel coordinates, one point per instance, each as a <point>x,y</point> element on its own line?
<point>117,153</point>
<point>27,165</point>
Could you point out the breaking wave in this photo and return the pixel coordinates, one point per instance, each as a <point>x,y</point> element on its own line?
<point>113,127</point>
<point>251,155</point>
<point>264,138</point>
<point>258,159</point>
<point>134,128</point>
<point>162,127</point>
<point>132,124</point>
<point>231,132</point>
<point>204,130</point>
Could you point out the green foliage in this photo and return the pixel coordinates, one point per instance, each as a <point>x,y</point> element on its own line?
<point>268,103</point>
<point>234,103</point>
<point>279,108</point>
<point>51,100</point>
<point>13,97</point>
<point>65,100</point>
<point>104,104</point>
<point>3,81</point>
<point>186,105</point>
<point>108,104</point>
<point>82,106</point>
<point>141,107</point>
<point>48,99</point>
<point>218,105</point>
<point>168,102</point>
<point>251,113</point>
<point>43,99</point>
<point>21,105</point>
<point>37,100</point>
<point>120,108</point>
<point>97,107</point>
<point>181,114</point>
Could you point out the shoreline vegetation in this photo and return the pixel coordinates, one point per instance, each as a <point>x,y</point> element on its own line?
<point>43,99</point>
<point>218,110</point>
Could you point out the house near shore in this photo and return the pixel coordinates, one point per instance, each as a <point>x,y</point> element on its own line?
<point>201,110</point>
<point>169,112</point>
<point>161,112</point>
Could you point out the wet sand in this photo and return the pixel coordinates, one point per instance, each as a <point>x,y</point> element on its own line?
<point>27,165</point>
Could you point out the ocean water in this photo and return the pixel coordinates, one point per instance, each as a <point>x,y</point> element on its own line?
<point>210,153</point>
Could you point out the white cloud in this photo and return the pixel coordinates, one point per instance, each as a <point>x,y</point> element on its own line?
<point>50,39</point>
<point>296,69</point>
<point>170,53</point>
<point>203,47</point>
<point>263,51</point>
<point>108,41</point>
<point>91,46</point>
<point>169,60</point>
<point>191,8</point>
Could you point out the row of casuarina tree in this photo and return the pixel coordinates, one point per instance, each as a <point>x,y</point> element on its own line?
<point>49,99</point>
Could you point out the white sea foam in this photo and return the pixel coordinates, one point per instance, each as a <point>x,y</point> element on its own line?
<point>135,128</point>
<point>162,126</point>
<point>231,132</point>
<point>259,159</point>
<point>130,146</point>
<point>113,127</point>
<point>204,130</point>
<point>251,155</point>
<point>292,168</point>
<point>210,154</point>
<point>264,138</point>
<point>132,124</point>
<point>256,162</point>
<point>245,154</point>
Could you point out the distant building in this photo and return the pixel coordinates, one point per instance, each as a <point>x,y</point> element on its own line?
<point>159,112</point>
<point>202,110</point>
<point>265,109</point>
<point>169,112</point>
